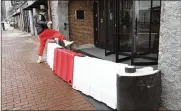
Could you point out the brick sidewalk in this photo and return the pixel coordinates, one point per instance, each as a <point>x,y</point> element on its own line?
<point>30,86</point>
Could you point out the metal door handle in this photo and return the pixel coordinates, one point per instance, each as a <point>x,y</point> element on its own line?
<point>102,20</point>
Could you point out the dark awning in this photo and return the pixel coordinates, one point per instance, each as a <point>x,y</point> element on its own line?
<point>36,4</point>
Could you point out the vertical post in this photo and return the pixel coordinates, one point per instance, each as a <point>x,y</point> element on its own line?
<point>117,5</point>
<point>34,13</point>
<point>95,17</point>
<point>151,10</point>
<point>116,29</point>
<point>22,18</point>
<point>49,11</point>
<point>134,32</point>
<point>31,22</point>
<point>106,25</point>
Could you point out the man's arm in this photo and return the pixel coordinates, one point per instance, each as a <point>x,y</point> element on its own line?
<point>40,21</point>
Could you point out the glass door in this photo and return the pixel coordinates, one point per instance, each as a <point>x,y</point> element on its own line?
<point>132,30</point>
<point>126,26</point>
<point>119,29</point>
<point>146,23</point>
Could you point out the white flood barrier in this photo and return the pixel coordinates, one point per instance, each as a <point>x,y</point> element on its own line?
<point>97,78</point>
<point>81,78</point>
<point>50,53</point>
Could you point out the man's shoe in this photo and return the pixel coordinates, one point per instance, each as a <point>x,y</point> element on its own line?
<point>39,60</point>
<point>67,43</point>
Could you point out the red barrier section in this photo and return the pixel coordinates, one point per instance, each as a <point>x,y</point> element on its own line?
<point>55,65</point>
<point>64,64</point>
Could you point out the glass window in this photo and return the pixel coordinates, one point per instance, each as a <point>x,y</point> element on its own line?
<point>155,26</point>
<point>142,25</point>
<point>126,16</point>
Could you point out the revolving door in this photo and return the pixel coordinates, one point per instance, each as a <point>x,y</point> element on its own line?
<point>132,30</point>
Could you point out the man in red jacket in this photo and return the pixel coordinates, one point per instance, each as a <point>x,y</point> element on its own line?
<point>45,33</point>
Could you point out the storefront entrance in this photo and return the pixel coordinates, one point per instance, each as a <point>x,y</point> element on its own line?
<point>129,28</point>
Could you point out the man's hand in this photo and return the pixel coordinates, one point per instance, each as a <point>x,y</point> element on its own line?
<point>49,24</point>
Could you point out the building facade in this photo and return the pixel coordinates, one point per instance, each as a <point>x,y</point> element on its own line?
<point>135,29</point>
<point>110,25</point>
<point>81,29</point>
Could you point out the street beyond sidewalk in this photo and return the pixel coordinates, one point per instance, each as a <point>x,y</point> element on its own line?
<point>30,86</point>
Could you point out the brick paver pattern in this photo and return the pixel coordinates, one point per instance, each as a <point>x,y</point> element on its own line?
<point>30,86</point>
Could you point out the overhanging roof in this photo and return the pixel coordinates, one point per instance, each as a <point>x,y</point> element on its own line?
<point>15,14</point>
<point>36,4</point>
